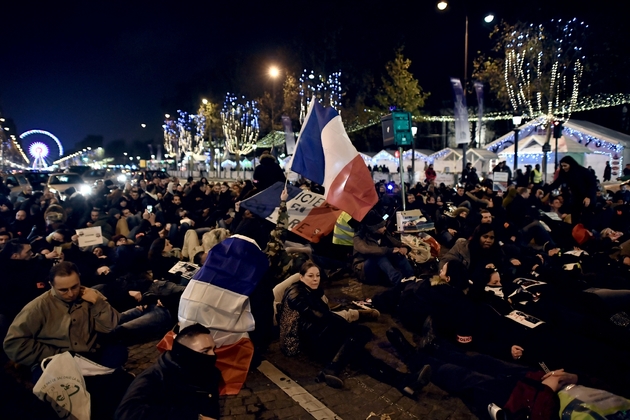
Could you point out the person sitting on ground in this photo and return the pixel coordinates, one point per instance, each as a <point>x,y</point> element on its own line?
<point>69,317</point>
<point>183,384</point>
<point>378,253</point>
<point>486,383</point>
<point>330,338</point>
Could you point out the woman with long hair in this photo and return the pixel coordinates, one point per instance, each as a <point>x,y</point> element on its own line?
<point>328,337</point>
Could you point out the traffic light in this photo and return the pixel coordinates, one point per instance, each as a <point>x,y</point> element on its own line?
<point>397,129</point>
<point>557,129</point>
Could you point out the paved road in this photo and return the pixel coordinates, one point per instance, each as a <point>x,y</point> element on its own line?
<point>361,396</point>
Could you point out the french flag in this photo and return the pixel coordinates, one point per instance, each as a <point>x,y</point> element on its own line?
<point>218,297</point>
<point>325,155</point>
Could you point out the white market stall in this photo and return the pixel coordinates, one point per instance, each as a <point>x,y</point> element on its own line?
<point>386,158</point>
<point>481,159</point>
<point>589,144</point>
<point>447,160</point>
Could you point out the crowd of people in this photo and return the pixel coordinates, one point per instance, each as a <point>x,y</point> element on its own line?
<point>518,280</point>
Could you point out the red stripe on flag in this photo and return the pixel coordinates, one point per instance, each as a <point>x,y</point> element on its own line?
<point>319,222</point>
<point>353,189</point>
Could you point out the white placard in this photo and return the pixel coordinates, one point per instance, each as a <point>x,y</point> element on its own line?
<point>447,179</point>
<point>90,236</point>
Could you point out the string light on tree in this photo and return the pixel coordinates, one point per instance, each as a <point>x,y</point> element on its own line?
<point>327,90</point>
<point>239,119</point>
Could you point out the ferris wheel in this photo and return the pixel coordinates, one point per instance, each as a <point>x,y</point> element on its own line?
<point>40,145</point>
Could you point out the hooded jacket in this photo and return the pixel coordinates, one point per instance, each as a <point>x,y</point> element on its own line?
<point>163,392</point>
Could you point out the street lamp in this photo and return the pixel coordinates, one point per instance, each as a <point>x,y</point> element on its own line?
<point>204,101</point>
<point>516,119</point>
<point>442,5</point>
<point>274,72</point>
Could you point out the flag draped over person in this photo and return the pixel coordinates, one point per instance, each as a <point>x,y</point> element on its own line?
<point>325,155</point>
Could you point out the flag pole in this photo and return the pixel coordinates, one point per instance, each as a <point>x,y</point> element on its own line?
<point>401,171</point>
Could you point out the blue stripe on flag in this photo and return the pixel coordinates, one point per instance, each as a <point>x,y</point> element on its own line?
<point>308,159</point>
<point>266,201</point>
<point>234,264</point>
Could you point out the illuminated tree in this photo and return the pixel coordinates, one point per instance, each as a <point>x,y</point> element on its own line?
<point>240,125</point>
<point>400,89</point>
<point>327,90</point>
<point>538,70</point>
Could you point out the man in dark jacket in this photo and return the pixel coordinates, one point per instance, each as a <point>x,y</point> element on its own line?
<point>268,172</point>
<point>183,384</point>
<point>377,252</point>
<point>583,188</point>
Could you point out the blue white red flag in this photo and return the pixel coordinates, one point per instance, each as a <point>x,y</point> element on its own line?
<point>309,215</point>
<point>325,155</point>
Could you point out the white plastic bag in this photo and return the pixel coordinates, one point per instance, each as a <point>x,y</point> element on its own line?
<point>63,386</point>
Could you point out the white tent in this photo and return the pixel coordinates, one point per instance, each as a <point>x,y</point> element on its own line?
<point>590,144</point>
<point>447,160</point>
<point>481,159</point>
<point>386,158</point>
<point>420,159</point>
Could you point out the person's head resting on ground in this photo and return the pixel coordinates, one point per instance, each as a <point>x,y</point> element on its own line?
<point>310,275</point>
<point>16,249</point>
<point>193,350</point>
<point>65,280</point>
<point>455,274</point>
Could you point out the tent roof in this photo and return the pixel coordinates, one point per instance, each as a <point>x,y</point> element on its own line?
<point>574,130</point>
<point>533,144</point>
<point>599,132</point>
<point>483,153</point>
<point>446,152</point>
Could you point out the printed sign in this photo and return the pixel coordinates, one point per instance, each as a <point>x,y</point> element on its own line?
<point>90,236</point>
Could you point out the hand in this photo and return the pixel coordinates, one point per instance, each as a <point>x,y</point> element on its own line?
<point>506,225</point>
<point>103,270</point>
<point>146,215</point>
<point>553,252</point>
<point>587,201</point>
<point>51,255</point>
<point>152,218</point>
<point>89,224</point>
<point>452,231</point>
<point>75,238</point>
<point>284,195</point>
<point>88,295</point>
<point>136,295</point>
<point>513,238</point>
<point>202,417</point>
<point>237,206</point>
<point>491,266</point>
<point>402,251</point>
<point>557,379</point>
<point>396,250</point>
<point>515,262</point>
<point>626,260</point>
<point>44,252</point>
<point>517,352</point>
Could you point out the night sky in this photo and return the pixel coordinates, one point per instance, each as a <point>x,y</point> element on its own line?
<point>105,68</point>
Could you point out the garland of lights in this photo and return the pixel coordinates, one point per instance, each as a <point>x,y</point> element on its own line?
<point>327,90</point>
<point>240,125</point>
<point>275,138</point>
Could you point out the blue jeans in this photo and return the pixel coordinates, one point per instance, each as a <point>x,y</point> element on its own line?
<point>395,266</point>
<point>152,320</point>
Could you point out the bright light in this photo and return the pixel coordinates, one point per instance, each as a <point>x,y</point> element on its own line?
<point>138,157</point>
<point>130,157</point>
<point>442,5</point>
<point>274,71</point>
<point>6,128</point>
<point>204,101</point>
<point>85,190</point>
<point>311,76</point>
<point>143,125</point>
<point>121,178</point>
<point>489,18</point>
<point>125,153</point>
<point>517,119</point>
<point>414,130</point>
<point>167,115</point>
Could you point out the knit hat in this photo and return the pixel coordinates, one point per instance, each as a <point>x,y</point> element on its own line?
<point>373,221</point>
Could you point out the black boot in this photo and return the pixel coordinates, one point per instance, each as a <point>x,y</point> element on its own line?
<point>404,382</point>
<point>403,347</point>
<point>330,374</point>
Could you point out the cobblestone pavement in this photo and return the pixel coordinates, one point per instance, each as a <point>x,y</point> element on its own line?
<point>361,397</point>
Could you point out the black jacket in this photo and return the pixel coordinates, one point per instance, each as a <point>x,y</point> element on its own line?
<point>162,392</point>
<point>268,172</point>
<point>316,321</point>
